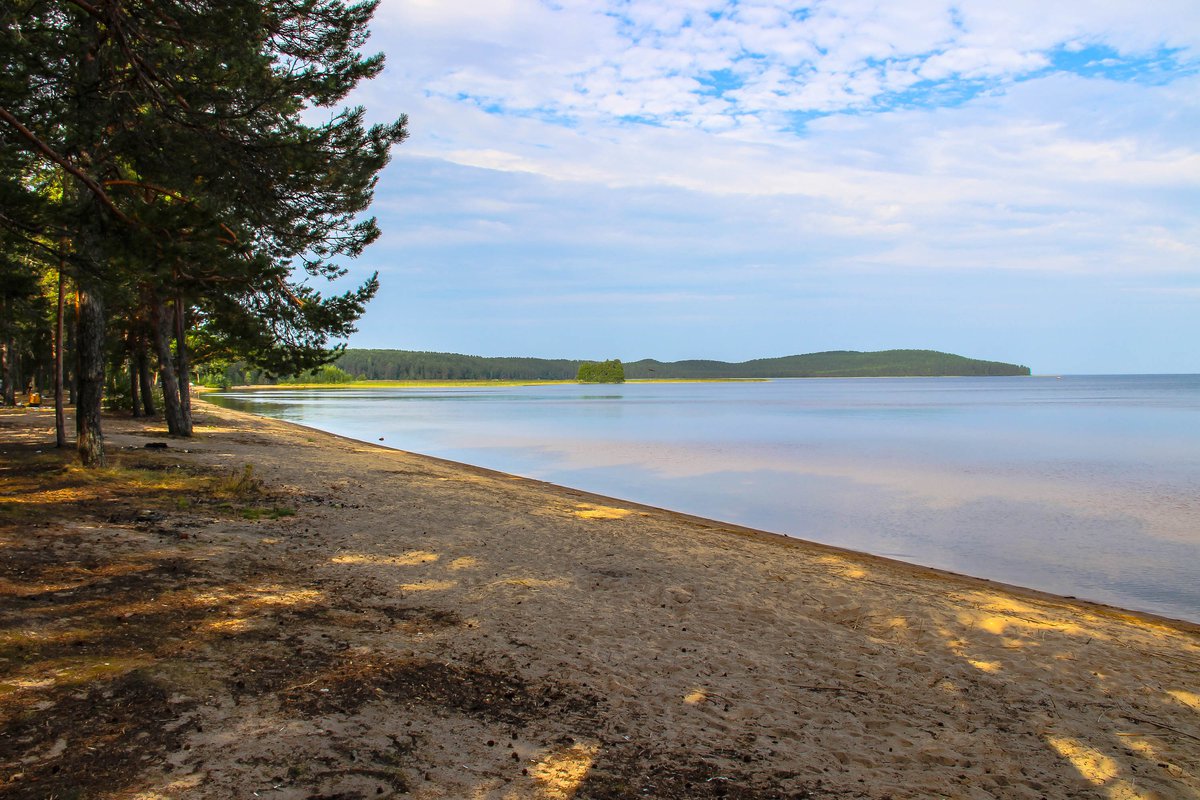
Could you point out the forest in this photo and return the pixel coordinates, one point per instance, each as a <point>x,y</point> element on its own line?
<point>173,175</point>
<point>412,365</point>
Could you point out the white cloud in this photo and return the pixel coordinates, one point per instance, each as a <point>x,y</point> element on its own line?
<point>605,59</point>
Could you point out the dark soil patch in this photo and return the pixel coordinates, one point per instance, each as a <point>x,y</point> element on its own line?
<point>94,579</point>
<point>89,744</point>
<point>625,771</point>
<point>263,672</point>
<point>471,690</point>
<point>421,618</point>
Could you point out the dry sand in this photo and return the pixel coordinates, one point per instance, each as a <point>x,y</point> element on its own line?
<point>425,629</point>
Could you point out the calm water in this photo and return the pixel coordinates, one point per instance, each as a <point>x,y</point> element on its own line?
<point>1086,486</point>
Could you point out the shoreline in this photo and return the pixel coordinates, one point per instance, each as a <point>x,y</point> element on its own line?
<point>760,515</point>
<point>271,608</point>
<point>773,537</point>
<point>435,383</point>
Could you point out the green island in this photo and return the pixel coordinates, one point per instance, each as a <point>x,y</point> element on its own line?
<point>611,371</point>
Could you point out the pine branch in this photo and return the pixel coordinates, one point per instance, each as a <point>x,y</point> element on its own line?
<point>53,155</point>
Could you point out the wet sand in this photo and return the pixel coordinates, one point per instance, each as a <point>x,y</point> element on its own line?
<point>406,626</point>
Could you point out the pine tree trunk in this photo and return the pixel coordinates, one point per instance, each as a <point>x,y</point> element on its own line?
<point>6,375</point>
<point>143,368</point>
<point>90,376</point>
<point>166,370</point>
<point>134,385</point>
<point>69,380</point>
<point>60,419</point>
<point>18,376</point>
<point>85,134</point>
<point>185,382</point>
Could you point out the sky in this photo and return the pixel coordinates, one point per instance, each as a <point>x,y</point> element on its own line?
<point>673,179</point>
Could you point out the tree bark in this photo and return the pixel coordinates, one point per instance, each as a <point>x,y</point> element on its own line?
<point>166,370</point>
<point>6,373</point>
<point>89,373</point>
<point>60,421</point>
<point>72,384</point>
<point>85,135</point>
<point>135,385</point>
<point>144,378</point>
<point>181,362</point>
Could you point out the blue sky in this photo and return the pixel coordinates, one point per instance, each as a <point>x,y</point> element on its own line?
<point>733,180</point>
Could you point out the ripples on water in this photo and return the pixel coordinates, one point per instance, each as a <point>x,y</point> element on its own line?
<point>1085,486</point>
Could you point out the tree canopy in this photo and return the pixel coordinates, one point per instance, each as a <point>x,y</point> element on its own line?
<point>187,165</point>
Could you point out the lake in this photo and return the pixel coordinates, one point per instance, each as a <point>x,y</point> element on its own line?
<point>1081,485</point>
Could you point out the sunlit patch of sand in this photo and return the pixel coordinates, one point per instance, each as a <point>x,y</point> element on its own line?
<point>240,601</point>
<point>519,587</point>
<point>1015,624</point>
<point>428,586</point>
<point>212,598</point>
<point>30,638</point>
<point>72,577</point>
<point>998,610</point>
<point>560,773</point>
<point>68,495</point>
<point>26,683</point>
<point>265,595</point>
<point>997,626</point>
<point>68,672</point>
<point>1141,745</point>
<point>278,596</point>
<point>591,511</point>
<point>409,559</point>
<point>1189,699</point>
<point>22,589</point>
<point>1096,768</point>
<point>237,625</point>
<point>172,789</point>
<point>964,650</point>
<point>842,567</point>
<point>235,602</point>
<point>532,583</point>
<point>466,562</point>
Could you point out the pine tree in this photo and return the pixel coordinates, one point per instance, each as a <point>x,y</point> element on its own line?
<point>195,184</point>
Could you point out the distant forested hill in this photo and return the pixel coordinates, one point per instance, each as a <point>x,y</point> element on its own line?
<point>412,365</point>
<point>832,364</point>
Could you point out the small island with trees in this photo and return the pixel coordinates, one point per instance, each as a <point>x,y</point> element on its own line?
<point>611,371</point>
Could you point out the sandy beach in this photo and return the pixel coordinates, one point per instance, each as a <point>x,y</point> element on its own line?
<point>346,621</point>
